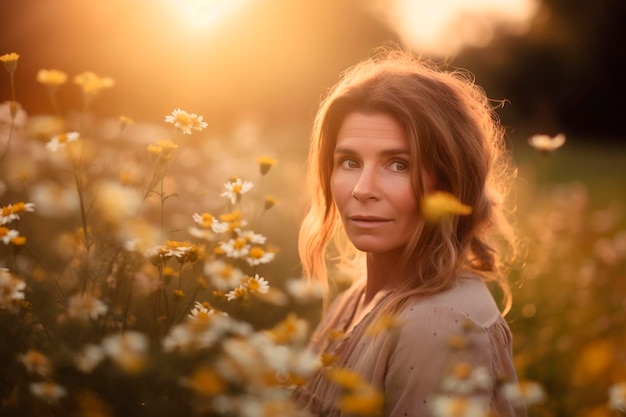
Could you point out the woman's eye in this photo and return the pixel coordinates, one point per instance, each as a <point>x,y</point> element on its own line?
<point>399,166</point>
<point>349,163</point>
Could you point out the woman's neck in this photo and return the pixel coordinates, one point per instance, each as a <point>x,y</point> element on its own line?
<point>384,272</point>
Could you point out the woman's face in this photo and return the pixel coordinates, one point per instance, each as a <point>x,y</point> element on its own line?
<point>371,182</point>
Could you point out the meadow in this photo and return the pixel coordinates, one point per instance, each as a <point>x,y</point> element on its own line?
<point>146,266</point>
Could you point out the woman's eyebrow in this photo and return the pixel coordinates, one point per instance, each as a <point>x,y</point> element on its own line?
<point>385,152</point>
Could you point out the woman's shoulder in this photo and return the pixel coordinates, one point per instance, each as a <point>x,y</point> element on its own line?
<point>469,299</point>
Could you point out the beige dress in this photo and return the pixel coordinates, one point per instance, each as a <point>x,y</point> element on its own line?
<point>409,363</point>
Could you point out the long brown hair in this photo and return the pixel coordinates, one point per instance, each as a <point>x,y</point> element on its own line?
<point>455,134</point>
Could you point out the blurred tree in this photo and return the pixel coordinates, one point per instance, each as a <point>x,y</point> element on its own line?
<point>566,74</point>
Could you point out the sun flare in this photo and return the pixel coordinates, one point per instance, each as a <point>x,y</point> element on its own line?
<point>207,13</point>
<point>444,27</point>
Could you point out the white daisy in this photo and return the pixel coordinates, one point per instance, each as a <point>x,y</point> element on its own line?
<point>547,143</point>
<point>304,290</point>
<point>200,312</point>
<point>523,392</point>
<point>185,122</point>
<point>235,188</point>
<point>36,362</point>
<point>48,391</point>
<point>208,221</point>
<point>128,350</point>
<point>7,235</point>
<point>258,255</point>
<point>90,357</point>
<point>464,379</point>
<point>61,140</point>
<point>180,337</point>
<point>446,406</point>
<point>237,293</point>
<point>617,397</point>
<point>251,237</point>
<point>11,289</point>
<point>235,248</point>
<point>12,212</point>
<point>256,284</point>
<point>53,200</point>
<point>223,276</point>
<point>86,306</point>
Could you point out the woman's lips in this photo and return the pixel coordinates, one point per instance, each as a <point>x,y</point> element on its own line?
<point>367,222</point>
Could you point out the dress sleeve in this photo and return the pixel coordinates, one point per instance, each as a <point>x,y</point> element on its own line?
<point>431,344</point>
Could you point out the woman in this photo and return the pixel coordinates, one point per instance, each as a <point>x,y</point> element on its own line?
<point>418,323</point>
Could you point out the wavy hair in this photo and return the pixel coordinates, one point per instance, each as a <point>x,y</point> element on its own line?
<point>455,134</point>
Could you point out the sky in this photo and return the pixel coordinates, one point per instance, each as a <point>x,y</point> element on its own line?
<point>274,59</point>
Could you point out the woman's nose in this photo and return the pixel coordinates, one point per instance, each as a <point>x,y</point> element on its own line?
<point>366,186</point>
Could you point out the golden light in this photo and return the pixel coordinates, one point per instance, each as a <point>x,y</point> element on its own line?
<point>444,27</point>
<point>207,13</point>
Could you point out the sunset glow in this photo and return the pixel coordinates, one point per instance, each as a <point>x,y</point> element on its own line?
<point>444,27</point>
<point>207,13</point>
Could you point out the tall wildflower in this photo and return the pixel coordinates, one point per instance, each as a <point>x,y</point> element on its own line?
<point>10,64</point>
<point>52,79</point>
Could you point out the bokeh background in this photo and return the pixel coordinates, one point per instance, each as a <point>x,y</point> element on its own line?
<point>256,70</point>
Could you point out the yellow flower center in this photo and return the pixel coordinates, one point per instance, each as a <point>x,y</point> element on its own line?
<point>226,272</point>
<point>207,220</point>
<point>462,370</point>
<point>206,382</point>
<point>183,118</point>
<point>253,285</point>
<point>458,407</point>
<point>256,253</point>
<point>19,207</point>
<point>239,292</point>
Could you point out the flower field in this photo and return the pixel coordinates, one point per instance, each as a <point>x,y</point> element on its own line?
<point>150,268</point>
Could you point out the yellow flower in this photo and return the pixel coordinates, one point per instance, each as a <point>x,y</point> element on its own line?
<point>383,323</point>
<point>440,204</point>
<point>10,61</point>
<point>292,329</point>
<point>458,342</point>
<point>128,350</point>
<point>36,362</point>
<point>51,77</point>
<point>336,334</point>
<point>206,382</point>
<point>328,359</point>
<point>234,219</point>
<point>125,122</point>
<point>367,402</point>
<point>265,164</point>
<point>345,378</point>
<point>270,202</point>
<point>360,397</point>
<point>91,405</point>
<point>163,150</point>
<point>19,241</point>
<point>595,360</point>
<point>92,83</point>
<point>237,293</point>
<point>546,143</point>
